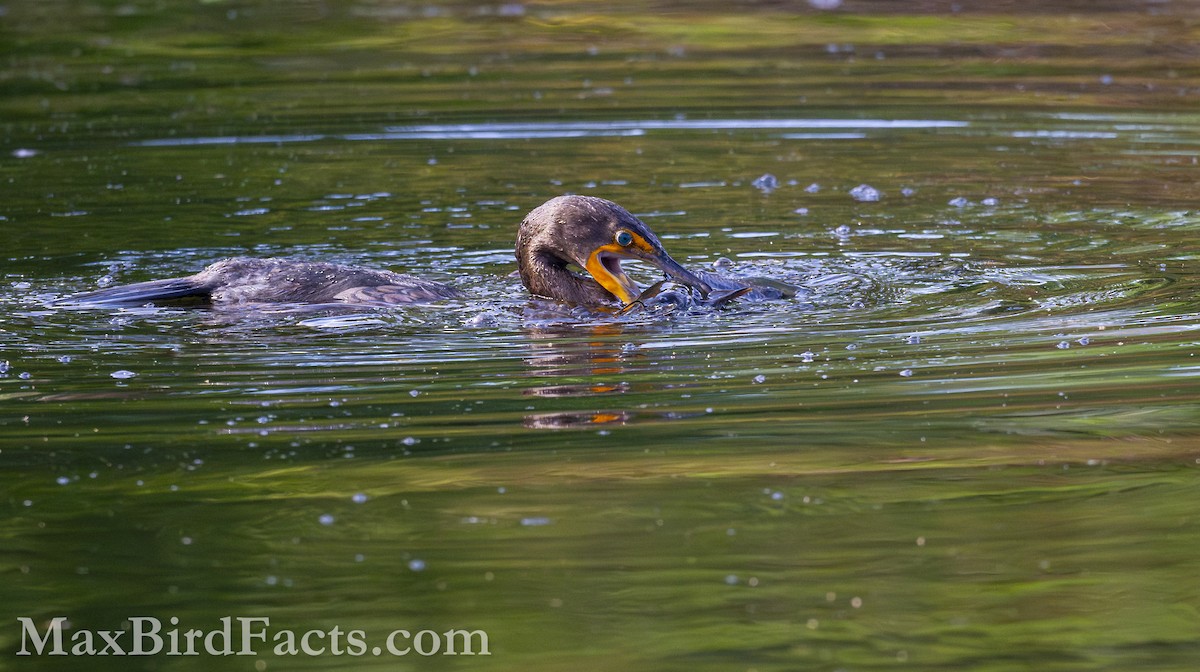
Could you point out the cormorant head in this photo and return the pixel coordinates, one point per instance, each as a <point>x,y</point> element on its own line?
<point>595,235</point>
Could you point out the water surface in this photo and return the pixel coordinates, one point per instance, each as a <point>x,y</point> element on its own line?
<point>972,446</point>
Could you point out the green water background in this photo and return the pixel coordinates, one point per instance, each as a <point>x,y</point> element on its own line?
<point>974,447</point>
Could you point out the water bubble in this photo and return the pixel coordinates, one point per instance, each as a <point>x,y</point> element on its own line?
<point>777,496</point>
<point>731,580</point>
<point>414,393</point>
<point>907,373</point>
<point>5,367</point>
<point>766,183</point>
<point>913,340</point>
<point>813,188</point>
<point>1083,340</point>
<point>122,374</point>
<point>807,356</point>
<point>1106,79</point>
<point>865,193</point>
<point>23,153</point>
<point>358,498</point>
<point>416,564</point>
<point>326,519</point>
<point>65,359</point>
<point>907,191</point>
<point>826,5</point>
<point>842,231</point>
<point>800,211</point>
<point>959,202</point>
<point>535,521</point>
<point>24,375</point>
<point>760,379</point>
<point>990,202</point>
<point>1063,345</point>
<point>62,480</point>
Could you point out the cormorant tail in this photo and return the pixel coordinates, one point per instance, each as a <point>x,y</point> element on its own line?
<point>171,291</point>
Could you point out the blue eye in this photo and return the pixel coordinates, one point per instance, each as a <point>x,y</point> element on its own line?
<point>624,238</point>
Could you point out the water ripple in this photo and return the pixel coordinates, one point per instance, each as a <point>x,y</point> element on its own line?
<point>574,129</point>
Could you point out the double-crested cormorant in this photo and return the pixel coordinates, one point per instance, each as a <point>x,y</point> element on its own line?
<point>590,233</point>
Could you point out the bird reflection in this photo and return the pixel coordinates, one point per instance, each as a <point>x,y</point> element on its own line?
<point>598,358</point>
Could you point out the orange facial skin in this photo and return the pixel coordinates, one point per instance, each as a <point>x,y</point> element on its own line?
<point>605,266</point>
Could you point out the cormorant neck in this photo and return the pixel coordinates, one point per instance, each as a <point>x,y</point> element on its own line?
<point>544,274</point>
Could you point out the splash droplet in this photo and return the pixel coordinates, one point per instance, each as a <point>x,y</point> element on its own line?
<point>865,193</point>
